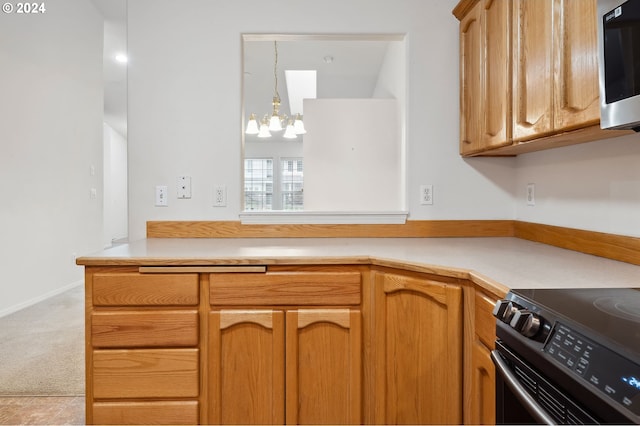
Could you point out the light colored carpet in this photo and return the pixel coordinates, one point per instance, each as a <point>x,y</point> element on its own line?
<point>42,347</point>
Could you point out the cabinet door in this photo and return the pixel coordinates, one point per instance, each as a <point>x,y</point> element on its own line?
<point>418,350</point>
<point>323,366</point>
<point>470,83</point>
<point>496,73</point>
<point>576,92</point>
<point>482,374</point>
<point>532,68</point>
<point>485,77</point>
<point>483,387</point>
<point>246,383</point>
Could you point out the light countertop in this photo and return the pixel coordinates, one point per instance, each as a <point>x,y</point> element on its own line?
<point>501,263</point>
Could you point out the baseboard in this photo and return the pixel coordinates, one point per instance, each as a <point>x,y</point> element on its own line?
<point>30,302</point>
<point>617,247</point>
<point>409,229</point>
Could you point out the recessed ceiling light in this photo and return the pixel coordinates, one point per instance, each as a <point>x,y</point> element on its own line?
<point>122,58</point>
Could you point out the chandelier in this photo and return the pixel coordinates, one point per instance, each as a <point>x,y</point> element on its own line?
<point>274,123</point>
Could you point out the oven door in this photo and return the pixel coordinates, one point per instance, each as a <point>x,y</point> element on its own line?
<point>523,396</point>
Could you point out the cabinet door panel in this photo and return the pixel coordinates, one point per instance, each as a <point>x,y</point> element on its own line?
<point>418,351</point>
<point>286,288</point>
<point>496,73</point>
<point>470,83</point>
<point>129,289</point>
<point>247,367</point>
<point>576,93</point>
<point>145,373</point>
<point>483,400</point>
<point>324,367</point>
<point>144,328</point>
<point>533,69</point>
<point>146,413</point>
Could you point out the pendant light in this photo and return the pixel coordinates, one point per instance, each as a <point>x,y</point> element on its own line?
<point>273,123</point>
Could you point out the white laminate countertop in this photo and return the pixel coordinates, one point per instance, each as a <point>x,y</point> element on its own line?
<point>508,262</point>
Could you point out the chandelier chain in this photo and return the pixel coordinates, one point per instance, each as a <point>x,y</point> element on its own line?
<point>275,68</point>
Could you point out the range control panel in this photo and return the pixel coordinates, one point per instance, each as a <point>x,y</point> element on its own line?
<point>612,374</point>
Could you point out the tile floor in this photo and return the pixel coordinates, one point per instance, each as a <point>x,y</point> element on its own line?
<point>42,410</point>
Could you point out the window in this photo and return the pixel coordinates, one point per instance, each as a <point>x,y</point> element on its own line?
<point>291,184</point>
<point>258,184</point>
<point>261,180</point>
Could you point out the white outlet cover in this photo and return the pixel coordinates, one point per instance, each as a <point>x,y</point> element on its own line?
<point>184,187</point>
<point>162,196</point>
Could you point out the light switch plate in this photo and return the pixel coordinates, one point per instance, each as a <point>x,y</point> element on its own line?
<point>161,196</point>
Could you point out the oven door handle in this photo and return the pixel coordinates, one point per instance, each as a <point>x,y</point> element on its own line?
<point>538,413</point>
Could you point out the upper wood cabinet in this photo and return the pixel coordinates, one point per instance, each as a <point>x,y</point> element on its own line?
<point>555,67</point>
<point>485,67</point>
<point>528,75</point>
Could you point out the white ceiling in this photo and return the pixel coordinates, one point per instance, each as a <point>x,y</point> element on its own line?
<point>345,69</point>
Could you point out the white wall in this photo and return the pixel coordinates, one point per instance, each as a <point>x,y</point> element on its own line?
<point>50,135</point>
<point>594,186</point>
<point>115,186</point>
<point>185,117</point>
<point>184,102</point>
<point>342,171</point>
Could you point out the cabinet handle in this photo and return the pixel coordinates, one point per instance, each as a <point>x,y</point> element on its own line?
<point>200,269</point>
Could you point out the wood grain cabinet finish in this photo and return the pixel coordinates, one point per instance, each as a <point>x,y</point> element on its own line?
<point>485,77</point>
<point>298,366</point>
<point>528,75</point>
<point>482,371</point>
<point>418,350</point>
<point>298,363</point>
<point>341,345</point>
<point>142,351</point>
<point>555,67</point>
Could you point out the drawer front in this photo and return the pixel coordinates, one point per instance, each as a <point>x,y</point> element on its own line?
<point>485,322</point>
<point>286,288</point>
<point>146,412</point>
<point>152,373</point>
<point>128,289</point>
<point>125,329</point>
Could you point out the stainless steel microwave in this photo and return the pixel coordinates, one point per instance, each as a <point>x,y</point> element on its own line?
<point>619,63</point>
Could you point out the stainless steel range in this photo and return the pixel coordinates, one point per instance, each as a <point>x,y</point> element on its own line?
<point>568,356</point>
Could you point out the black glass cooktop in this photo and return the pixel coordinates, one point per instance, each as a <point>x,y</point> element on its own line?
<point>614,314</point>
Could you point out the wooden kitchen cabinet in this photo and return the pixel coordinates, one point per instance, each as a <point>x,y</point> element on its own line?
<point>555,68</point>
<point>528,75</point>
<point>418,349</point>
<point>142,347</point>
<point>480,385</point>
<point>485,77</point>
<point>297,364</point>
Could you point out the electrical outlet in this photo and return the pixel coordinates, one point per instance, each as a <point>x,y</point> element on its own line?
<point>531,194</point>
<point>426,194</point>
<point>184,187</point>
<point>161,196</point>
<point>219,196</point>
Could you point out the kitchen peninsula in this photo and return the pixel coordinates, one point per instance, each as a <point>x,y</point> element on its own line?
<point>303,330</point>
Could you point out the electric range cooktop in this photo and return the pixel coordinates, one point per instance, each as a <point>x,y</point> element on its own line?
<point>611,313</point>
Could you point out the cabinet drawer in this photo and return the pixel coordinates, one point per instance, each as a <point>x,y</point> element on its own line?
<point>159,373</point>
<point>286,288</point>
<point>143,329</point>
<point>127,289</point>
<point>146,412</point>
<point>485,323</point>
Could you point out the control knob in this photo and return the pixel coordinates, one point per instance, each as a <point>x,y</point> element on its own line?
<point>505,310</point>
<point>525,322</point>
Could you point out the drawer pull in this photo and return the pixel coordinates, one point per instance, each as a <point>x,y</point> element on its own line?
<point>200,269</point>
